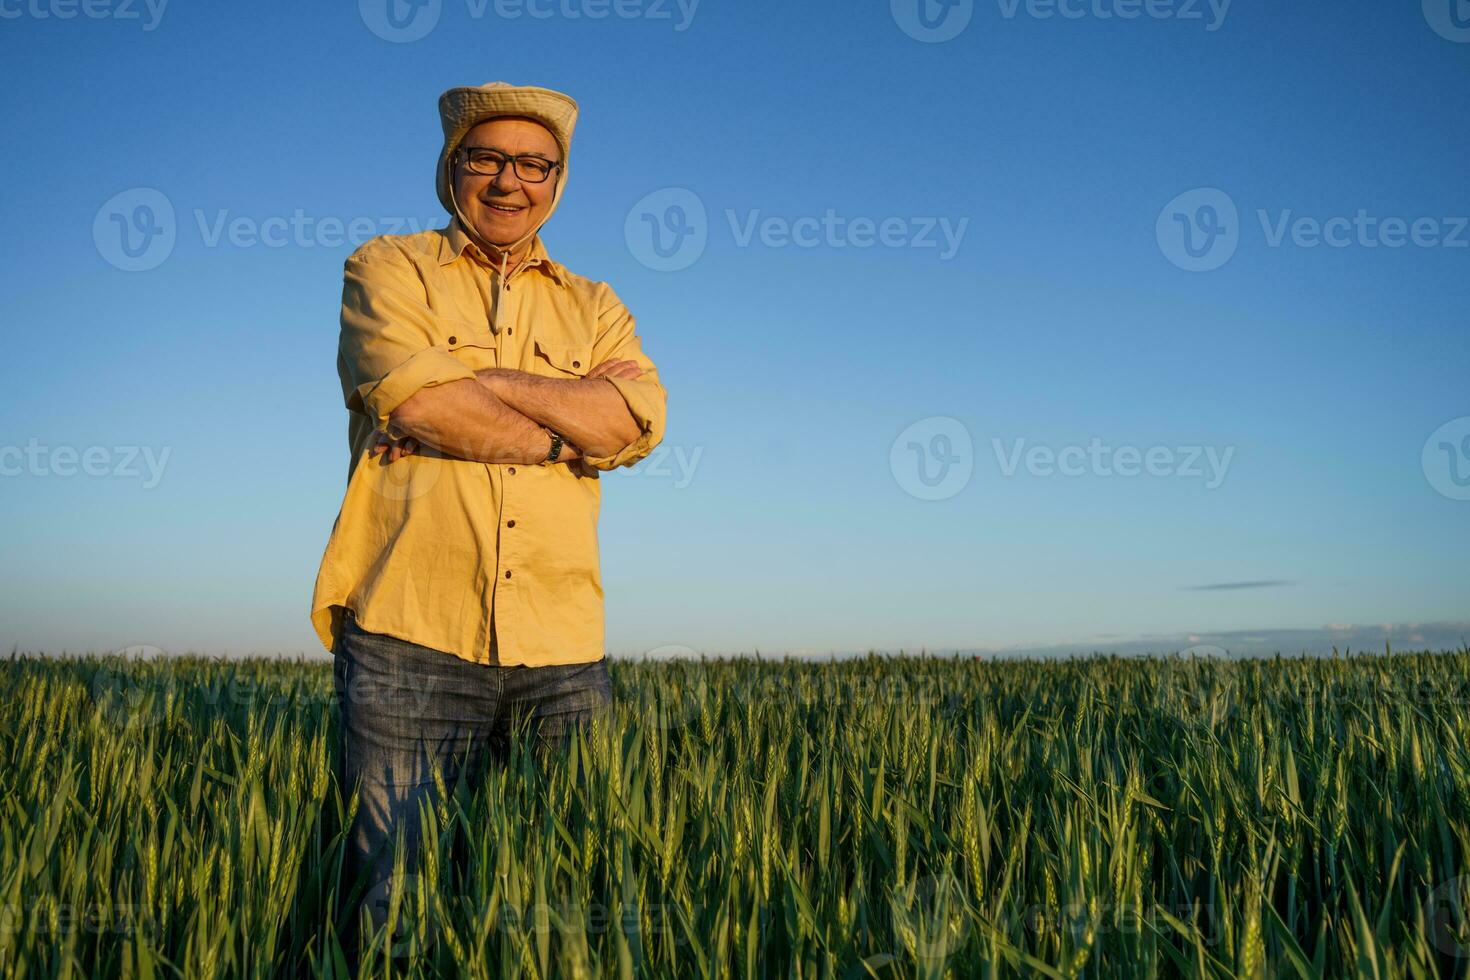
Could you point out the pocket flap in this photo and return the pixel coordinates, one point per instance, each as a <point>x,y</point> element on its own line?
<point>571,358</point>
<point>466,335</point>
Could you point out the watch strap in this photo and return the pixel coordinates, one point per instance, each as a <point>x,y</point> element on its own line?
<point>556,444</point>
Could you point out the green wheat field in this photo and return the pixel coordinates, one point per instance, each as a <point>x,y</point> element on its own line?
<point>873,817</point>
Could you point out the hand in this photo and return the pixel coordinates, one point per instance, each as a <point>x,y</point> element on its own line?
<point>615,367</point>
<point>395,448</point>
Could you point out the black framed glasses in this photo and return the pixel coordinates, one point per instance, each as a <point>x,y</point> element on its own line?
<point>482,160</point>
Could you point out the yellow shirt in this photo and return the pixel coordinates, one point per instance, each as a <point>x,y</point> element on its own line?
<point>437,550</point>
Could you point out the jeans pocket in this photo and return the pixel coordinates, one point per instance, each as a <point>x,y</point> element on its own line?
<point>559,697</point>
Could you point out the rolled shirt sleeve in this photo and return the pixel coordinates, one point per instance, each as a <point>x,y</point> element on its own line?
<point>387,349</point>
<point>645,395</point>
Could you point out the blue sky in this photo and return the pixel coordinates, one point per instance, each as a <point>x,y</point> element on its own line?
<point>1015,325</point>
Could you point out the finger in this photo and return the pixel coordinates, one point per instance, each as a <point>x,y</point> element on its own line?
<point>410,445</point>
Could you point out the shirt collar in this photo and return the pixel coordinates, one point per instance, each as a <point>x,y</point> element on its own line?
<point>453,242</point>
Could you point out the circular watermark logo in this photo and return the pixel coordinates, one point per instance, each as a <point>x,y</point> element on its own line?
<point>931,921</point>
<point>135,230</point>
<point>400,902</point>
<point>131,697</point>
<point>684,687</point>
<point>409,477</point>
<point>1447,913</point>
<point>667,230</point>
<point>400,21</point>
<point>1199,230</point>
<point>1450,19</point>
<point>932,21</point>
<point>1446,459</point>
<point>933,459</point>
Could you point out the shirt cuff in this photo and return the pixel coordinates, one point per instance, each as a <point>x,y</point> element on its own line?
<point>428,367</point>
<point>646,400</point>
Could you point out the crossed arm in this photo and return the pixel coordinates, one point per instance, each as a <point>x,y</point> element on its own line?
<point>395,370</point>
<point>497,418</point>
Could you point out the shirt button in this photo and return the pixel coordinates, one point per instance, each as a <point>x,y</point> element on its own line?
<point>509,330</point>
<point>507,573</point>
<point>453,339</point>
<point>574,363</point>
<point>511,470</point>
<point>510,523</point>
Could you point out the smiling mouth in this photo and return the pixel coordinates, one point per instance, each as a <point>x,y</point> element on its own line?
<point>505,209</point>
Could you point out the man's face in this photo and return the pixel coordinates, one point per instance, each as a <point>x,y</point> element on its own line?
<point>504,208</point>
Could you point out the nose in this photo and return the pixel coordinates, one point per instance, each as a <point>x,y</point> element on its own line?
<point>506,180</point>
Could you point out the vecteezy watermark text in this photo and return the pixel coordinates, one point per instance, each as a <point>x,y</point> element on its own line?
<point>669,229</point>
<point>1363,230</point>
<point>299,230</point>
<point>87,9</point>
<point>667,462</point>
<point>936,21</point>
<point>1099,459</point>
<point>403,21</point>
<point>1211,13</point>
<point>832,230</point>
<point>122,462</point>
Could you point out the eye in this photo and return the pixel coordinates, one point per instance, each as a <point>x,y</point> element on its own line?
<point>484,160</point>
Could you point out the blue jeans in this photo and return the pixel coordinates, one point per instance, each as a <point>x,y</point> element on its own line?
<point>406,708</point>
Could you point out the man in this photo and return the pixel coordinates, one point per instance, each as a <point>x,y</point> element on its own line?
<point>487,388</point>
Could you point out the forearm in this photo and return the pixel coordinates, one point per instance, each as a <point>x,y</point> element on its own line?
<point>588,412</point>
<point>467,420</point>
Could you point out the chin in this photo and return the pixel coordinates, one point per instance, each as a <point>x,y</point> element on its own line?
<point>497,234</point>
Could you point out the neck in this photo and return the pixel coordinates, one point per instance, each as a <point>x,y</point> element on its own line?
<point>512,260</point>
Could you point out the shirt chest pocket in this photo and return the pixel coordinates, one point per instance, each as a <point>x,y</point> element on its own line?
<point>475,347</point>
<point>563,360</point>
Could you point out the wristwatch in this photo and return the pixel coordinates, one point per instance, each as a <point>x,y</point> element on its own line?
<point>556,442</point>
